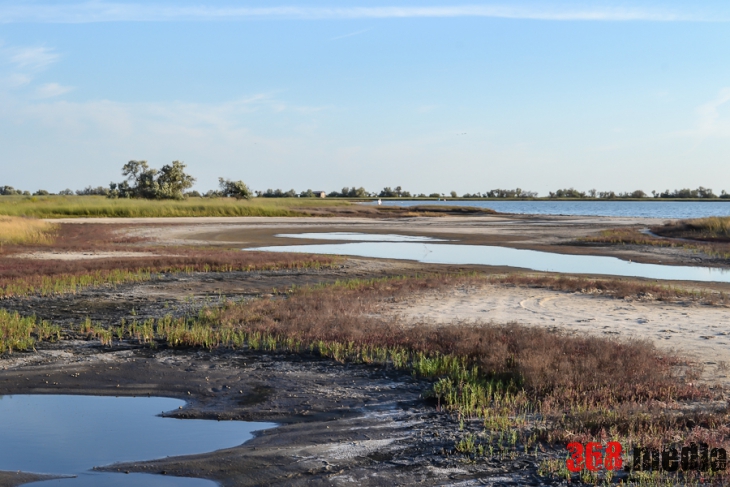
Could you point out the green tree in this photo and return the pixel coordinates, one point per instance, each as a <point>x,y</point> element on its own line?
<point>170,182</point>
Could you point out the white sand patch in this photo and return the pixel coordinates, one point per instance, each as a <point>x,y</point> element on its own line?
<point>700,332</point>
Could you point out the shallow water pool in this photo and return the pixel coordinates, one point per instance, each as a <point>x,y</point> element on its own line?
<point>69,435</point>
<point>435,253</point>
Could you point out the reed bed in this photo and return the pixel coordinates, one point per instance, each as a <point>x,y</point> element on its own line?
<point>99,206</point>
<point>25,231</point>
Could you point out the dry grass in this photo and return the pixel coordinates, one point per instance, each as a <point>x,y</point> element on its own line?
<point>713,229</point>
<point>632,236</point>
<point>25,231</point>
<point>615,288</point>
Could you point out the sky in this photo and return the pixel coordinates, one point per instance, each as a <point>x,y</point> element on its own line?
<point>429,95</point>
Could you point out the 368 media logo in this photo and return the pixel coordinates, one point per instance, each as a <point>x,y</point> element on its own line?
<point>593,456</point>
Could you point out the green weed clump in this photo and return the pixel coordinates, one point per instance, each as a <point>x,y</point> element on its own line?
<point>18,333</point>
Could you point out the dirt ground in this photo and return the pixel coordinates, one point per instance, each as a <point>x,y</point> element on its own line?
<point>340,424</point>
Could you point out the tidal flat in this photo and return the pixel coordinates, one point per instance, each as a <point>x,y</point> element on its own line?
<point>341,419</point>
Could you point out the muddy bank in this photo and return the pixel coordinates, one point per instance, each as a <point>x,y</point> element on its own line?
<point>13,479</point>
<point>339,423</point>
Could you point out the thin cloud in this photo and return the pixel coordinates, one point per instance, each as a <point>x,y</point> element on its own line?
<point>351,34</point>
<point>31,57</point>
<point>50,90</point>
<point>710,121</point>
<point>118,12</point>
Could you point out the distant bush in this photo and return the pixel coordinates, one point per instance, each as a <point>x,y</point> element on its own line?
<point>435,195</point>
<point>510,193</point>
<point>688,193</point>
<point>66,192</point>
<point>10,191</point>
<point>270,193</point>
<point>234,189</point>
<point>41,192</point>
<point>89,191</point>
<point>398,192</point>
<point>568,193</point>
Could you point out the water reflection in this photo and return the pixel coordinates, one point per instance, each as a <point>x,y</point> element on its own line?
<point>502,256</point>
<point>58,434</point>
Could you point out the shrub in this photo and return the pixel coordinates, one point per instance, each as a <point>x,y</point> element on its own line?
<point>235,189</point>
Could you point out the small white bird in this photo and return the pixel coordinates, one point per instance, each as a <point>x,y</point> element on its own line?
<point>380,202</point>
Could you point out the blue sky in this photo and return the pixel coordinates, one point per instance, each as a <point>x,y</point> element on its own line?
<point>432,96</point>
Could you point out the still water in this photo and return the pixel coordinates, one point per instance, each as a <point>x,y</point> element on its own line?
<point>435,253</point>
<point>639,209</point>
<point>69,435</point>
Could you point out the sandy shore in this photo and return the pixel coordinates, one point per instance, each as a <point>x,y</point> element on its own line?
<point>702,333</point>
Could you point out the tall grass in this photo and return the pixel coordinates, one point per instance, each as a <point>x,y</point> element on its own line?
<point>99,206</point>
<point>25,231</point>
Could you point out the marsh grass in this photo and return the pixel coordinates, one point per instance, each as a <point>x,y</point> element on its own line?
<point>99,206</point>
<point>715,228</point>
<point>526,386</point>
<point>18,333</point>
<point>713,247</point>
<point>24,277</point>
<point>25,231</point>
<point>615,288</point>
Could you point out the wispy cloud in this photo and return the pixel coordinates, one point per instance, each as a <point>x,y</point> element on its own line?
<point>33,58</point>
<point>711,123</point>
<point>49,90</point>
<point>118,12</point>
<point>351,34</point>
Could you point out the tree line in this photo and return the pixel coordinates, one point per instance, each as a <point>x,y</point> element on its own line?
<point>172,182</point>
